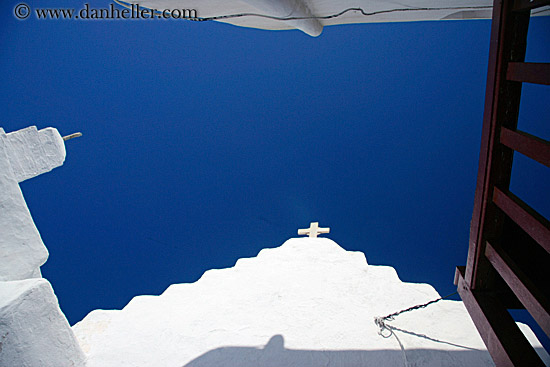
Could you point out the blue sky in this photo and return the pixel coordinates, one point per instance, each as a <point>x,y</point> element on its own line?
<point>204,143</point>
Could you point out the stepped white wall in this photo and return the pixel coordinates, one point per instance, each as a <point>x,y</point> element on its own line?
<point>306,303</point>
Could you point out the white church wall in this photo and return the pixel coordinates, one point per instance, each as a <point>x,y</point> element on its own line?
<point>21,249</point>
<point>532,338</point>
<point>33,330</point>
<point>32,152</point>
<point>306,303</point>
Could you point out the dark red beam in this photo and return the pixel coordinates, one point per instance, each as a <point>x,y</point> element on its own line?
<point>524,5</point>
<point>532,298</point>
<point>527,144</point>
<point>504,340</point>
<point>502,97</point>
<point>534,224</point>
<point>529,72</point>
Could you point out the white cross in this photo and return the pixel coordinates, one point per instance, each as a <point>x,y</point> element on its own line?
<point>313,230</point>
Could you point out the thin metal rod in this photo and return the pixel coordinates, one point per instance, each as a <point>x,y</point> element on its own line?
<point>72,136</point>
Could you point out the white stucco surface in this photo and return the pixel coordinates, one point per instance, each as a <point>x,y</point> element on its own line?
<point>33,152</point>
<point>306,303</point>
<point>23,154</point>
<point>532,338</point>
<point>33,331</point>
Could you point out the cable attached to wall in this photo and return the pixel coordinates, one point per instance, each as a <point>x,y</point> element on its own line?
<point>381,323</point>
<point>335,15</point>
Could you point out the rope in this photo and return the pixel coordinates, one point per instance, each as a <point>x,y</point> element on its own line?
<point>391,316</point>
<point>382,325</point>
<point>386,331</point>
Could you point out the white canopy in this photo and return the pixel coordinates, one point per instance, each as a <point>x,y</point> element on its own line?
<point>310,16</point>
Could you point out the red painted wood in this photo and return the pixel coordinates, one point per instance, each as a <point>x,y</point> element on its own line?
<point>523,5</point>
<point>527,144</point>
<point>533,299</point>
<point>526,217</point>
<point>489,279</point>
<point>486,146</point>
<point>503,338</point>
<point>502,97</point>
<point>529,72</point>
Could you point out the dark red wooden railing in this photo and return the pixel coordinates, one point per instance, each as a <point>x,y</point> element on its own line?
<point>508,263</point>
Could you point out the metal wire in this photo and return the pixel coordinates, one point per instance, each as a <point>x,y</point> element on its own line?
<point>392,315</point>
<point>381,323</point>
<point>335,15</point>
